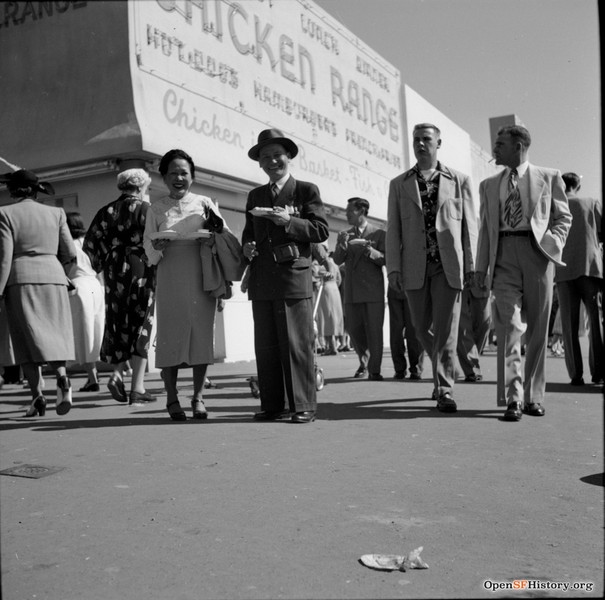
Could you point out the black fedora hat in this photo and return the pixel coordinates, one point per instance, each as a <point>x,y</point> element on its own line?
<point>272,136</point>
<point>24,178</point>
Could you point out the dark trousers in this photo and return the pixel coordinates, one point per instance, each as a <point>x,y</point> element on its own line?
<point>364,321</point>
<point>473,330</point>
<point>402,334</point>
<point>283,342</point>
<point>589,291</point>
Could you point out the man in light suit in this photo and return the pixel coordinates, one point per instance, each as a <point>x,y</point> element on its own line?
<point>581,280</point>
<point>524,224</point>
<point>361,249</point>
<point>430,244</point>
<point>283,218</point>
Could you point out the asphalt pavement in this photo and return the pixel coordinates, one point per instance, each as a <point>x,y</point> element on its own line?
<point>113,502</point>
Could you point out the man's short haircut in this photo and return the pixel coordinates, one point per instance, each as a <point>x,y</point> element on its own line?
<point>572,181</point>
<point>428,126</point>
<point>518,133</point>
<point>360,204</point>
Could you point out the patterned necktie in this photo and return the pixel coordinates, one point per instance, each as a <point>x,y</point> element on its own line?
<point>512,206</point>
<point>274,190</point>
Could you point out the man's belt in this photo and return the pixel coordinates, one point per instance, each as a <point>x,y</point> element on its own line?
<point>521,233</point>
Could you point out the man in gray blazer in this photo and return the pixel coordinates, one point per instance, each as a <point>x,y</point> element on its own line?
<point>430,243</point>
<point>361,249</point>
<point>524,224</point>
<point>581,280</point>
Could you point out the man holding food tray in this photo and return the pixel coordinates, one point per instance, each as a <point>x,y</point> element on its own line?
<point>283,218</point>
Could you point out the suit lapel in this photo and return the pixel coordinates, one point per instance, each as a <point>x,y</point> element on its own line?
<point>367,231</point>
<point>287,194</point>
<point>493,195</point>
<point>411,188</point>
<point>264,199</point>
<point>536,184</point>
<point>446,188</point>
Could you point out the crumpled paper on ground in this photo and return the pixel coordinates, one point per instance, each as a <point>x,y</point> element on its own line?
<point>394,562</point>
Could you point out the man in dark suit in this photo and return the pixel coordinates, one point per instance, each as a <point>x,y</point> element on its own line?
<point>581,281</point>
<point>361,249</point>
<point>524,224</point>
<point>431,237</point>
<point>283,219</point>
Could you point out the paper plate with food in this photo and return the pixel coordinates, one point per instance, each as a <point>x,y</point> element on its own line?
<point>168,234</point>
<point>200,234</point>
<point>259,211</point>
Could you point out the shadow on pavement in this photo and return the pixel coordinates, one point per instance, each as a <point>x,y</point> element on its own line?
<point>596,479</point>
<point>565,388</point>
<point>394,409</point>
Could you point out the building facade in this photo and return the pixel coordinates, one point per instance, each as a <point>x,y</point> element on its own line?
<point>92,88</point>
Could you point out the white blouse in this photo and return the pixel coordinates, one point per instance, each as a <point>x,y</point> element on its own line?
<point>186,215</point>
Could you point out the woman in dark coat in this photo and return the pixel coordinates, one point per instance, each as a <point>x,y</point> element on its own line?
<point>114,243</point>
<point>35,244</point>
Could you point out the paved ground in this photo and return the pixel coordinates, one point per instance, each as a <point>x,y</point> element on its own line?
<point>148,509</point>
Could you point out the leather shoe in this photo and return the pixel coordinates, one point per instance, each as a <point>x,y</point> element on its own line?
<point>90,386</point>
<point>361,372</point>
<point>535,409</point>
<point>64,401</point>
<point>267,415</point>
<point>303,417</point>
<point>577,381</point>
<point>513,412</point>
<point>473,378</point>
<point>198,409</point>
<point>141,398</point>
<point>116,388</point>
<point>446,403</point>
<point>37,407</point>
<point>399,375</point>
<point>415,376</point>
<point>375,377</point>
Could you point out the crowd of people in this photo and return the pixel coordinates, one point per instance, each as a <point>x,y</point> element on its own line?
<point>71,293</point>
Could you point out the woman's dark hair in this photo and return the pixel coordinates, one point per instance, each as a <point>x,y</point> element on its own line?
<point>76,225</point>
<point>172,155</point>
<point>22,191</point>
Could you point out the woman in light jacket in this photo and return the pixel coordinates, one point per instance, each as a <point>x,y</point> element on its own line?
<point>185,310</point>
<point>35,244</point>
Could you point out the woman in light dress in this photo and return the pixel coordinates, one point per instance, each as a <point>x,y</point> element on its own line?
<point>330,322</point>
<point>87,306</point>
<point>185,312</point>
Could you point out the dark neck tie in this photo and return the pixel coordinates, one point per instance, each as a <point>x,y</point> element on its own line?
<point>513,209</point>
<point>274,191</point>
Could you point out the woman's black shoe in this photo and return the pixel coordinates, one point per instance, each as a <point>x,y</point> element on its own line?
<point>37,407</point>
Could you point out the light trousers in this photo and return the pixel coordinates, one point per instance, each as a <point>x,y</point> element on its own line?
<point>435,310</point>
<point>522,288</point>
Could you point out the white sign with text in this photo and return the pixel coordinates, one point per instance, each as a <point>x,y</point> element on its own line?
<point>209,75</point>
